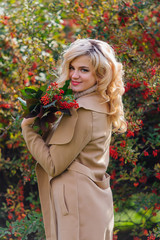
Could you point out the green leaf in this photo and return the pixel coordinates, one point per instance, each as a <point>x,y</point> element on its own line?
<point>50,104</point>
<point>39,94</point>
<point>43,88</point>
<point>65,87</point>
<point>23,92</point>
<point>7,223</point>
<point>31,89</point>
<point>23,102</point>
<point>68,92</point>
<point>34,108</point>
<point>24,107</point>
<point>27,95</point>
<point>32,101</point>
<point>4,233</point>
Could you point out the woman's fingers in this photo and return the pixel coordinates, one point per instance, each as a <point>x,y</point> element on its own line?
<point>27,121</point>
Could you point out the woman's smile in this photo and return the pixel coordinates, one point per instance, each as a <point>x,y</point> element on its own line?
<point>75,83</point>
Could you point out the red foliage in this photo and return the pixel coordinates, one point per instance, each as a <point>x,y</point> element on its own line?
<point>5,105</point>
<point>136,184</point>
<point>155,152</point>
<point>143,179</point>
<point>130,133</point>
<point>113,152</point>
<point>151,237</point>
<point>158,175</point>
<point>123,143</point>
<point>113,174</point>
<point>146,153</point>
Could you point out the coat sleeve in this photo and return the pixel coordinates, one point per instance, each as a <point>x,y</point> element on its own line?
<point>70,137</point>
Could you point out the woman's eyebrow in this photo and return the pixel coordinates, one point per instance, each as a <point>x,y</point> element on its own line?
<point>79,66</point>
<point>84,67</point>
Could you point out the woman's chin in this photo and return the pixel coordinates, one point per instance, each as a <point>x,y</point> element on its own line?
<point>76,88</point>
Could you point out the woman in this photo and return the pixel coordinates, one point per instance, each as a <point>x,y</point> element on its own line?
<point>74,189</point>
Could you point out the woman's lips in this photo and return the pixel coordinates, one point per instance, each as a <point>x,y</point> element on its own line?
<point>75,83</point>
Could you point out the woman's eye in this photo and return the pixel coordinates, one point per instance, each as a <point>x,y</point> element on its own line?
<point>84,70</point>
<point>71,68</point>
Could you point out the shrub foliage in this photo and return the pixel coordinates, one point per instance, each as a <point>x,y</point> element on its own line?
<point>32,37</point>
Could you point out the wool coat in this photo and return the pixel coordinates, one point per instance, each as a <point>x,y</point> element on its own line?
<point>74,188</point>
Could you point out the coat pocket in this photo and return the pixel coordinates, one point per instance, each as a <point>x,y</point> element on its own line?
<point>62,200</point>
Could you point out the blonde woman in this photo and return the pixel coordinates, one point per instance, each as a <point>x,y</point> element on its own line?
<point>74,187</point>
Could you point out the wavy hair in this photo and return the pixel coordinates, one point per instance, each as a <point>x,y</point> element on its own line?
<point>109,74</point>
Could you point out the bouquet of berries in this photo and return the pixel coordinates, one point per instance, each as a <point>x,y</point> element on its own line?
<point>47,103</point>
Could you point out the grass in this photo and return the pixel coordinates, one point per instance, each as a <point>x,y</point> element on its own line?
<point>135,215</point>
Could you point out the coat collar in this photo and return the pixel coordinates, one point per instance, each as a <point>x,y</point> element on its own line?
<point>87,91</point>
<point>93,101</point>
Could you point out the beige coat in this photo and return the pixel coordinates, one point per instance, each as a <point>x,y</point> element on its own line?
<point>74,190</point>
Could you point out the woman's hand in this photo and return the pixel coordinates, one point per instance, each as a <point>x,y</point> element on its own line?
<point>27,121</point>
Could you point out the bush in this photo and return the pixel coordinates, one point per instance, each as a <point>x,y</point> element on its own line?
<point>30,50</point>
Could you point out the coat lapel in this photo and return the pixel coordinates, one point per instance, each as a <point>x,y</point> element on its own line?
<point>94,102</point>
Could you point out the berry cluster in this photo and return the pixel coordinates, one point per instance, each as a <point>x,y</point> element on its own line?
<point>5,105</point>
<point>45,99</point>
<point>56,95</point>
<point>68,105</point>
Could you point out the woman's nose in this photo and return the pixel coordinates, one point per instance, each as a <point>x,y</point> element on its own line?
<point>75,74</point>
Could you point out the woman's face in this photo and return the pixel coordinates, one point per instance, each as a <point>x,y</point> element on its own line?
<point>82,74</point>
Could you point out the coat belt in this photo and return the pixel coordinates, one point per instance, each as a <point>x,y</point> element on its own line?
<point>80,168</point>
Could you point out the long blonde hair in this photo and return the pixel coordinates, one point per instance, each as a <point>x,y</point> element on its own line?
<point>109,73</point>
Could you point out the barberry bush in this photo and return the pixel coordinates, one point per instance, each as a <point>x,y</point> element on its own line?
<point>32,37</point>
